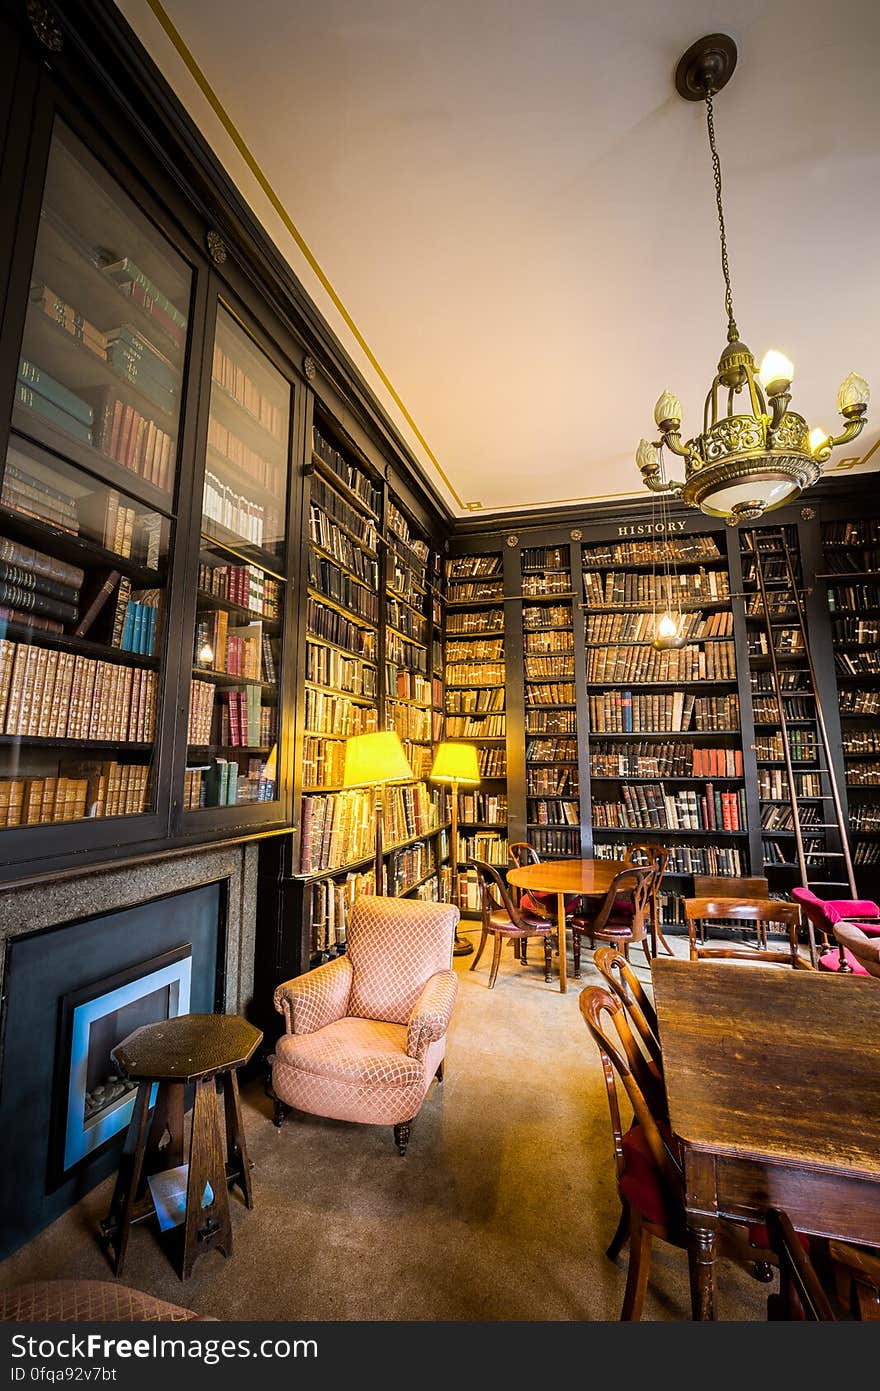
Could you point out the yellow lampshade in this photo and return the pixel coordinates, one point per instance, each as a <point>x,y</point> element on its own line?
<point>455,763</point>
<point>371,758</point>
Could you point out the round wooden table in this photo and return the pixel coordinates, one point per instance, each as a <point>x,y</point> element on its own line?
<point>587,878</point>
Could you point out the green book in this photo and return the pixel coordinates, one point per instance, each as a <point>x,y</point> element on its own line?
<point>54,391</point>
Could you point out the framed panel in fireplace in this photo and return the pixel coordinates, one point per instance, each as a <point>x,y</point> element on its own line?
<point>91,1104</point>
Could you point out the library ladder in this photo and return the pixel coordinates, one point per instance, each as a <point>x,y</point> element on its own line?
<point>787,595</point>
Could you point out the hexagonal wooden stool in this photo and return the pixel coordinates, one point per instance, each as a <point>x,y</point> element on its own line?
<point>205,1050</point>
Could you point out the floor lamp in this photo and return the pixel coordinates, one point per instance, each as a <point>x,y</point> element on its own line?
<point>455,764</point>
<point>372,760</point>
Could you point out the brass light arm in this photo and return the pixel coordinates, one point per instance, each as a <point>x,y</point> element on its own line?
<point>672,440</point>
<point>855,418</point>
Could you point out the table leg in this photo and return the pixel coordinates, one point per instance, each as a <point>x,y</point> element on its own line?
<point>236,1150</point>
<point>560,925</point>
<point>701,1209</point>
<point>701,1265</point>
<point>207,1223</point>
<point>129,1181</point>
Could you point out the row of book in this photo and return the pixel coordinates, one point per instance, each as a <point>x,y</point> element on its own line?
<point>338,586</point>
<point>651,806</point>
<point>338,828</point>
<point>482,806</point>
<point>687,859</point>
<point>29,493</point>
<point>549,668</point>
<point>766,709</point>
<point>866,853</point>
<point>773,785</point>
<point>36,590</point>
<point>857,663</point>
<point>552,642</point>
<point>473,567</point>
<point>227,647</point>
<point>335,715</point>
<point>327,667</point>
<point>492,763</point>
<point>476,726</point>
<point>362,529</point>
<point>858,630</point>
<point>865,818</point>
<point>801,742</point>
<point>331,903</point>
<point>545,558</point>
<point>403,581</point>
<point>489,846</point>
<point>787,642</point>
<point>60,695</point>
<point>555,844</point>
<point>854,563</point>
<point>669,760</point>
<point>642,627</point>
<point>405,653</point>
<point>541,813</point>
<point>864,532</point>
<point>546,616</point>
<point>130,280</point>
<point>863,775</point>
<point>862,741</point>
<point>552,782</point>
<point>222,783</point>
<point>243,585</point>
<point>675,712</point>
<point>342,632</point>
<point>356,479</point>
<point>551,721</point>
<point>620,588</point>
<point>859,702</point>
<point>715,662</point>
<point>324,532</point>
<point>779,605</point>
<point>399,527</point>
<point>474,591</point>
<point>409,867</point>
<point>133,439</point>
<point>235,512</point>
<point>552,751</point>
<point>480,621</point>
<point>550,693</point>
<point>137,618</point>
<point>412,685</point>
<point>420,759</point>
<point>231,376</point>
<point>656,551</point>
<point>461,650</point>
<point>240,456</point>
<point>108,789</point>
<point>533,586</point>
<point>38,391</point>
<point>475,674</point>
<point>844,597</point>
<point>411,722</point>
<point>400,616</point>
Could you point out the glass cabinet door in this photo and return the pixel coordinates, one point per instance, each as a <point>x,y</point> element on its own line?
<point>86,503</point>
<point>232,755</point>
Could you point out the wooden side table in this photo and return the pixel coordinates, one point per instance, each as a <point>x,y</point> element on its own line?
<point>205,1050</point>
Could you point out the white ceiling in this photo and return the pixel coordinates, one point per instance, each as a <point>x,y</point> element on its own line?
<point>516,209</point>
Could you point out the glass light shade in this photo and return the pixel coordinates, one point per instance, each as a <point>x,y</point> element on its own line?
<point>767,490</point>
<point>373,758</point>
<point>854,391</point>
<point>668,407</point>
<point>206,655</point>
<point>648,457</point>
<point>775,368</point>
<point>456,763</point>
<point>667,627</point>
<point>818,437</point>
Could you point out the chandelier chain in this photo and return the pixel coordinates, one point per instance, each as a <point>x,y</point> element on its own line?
<point>732,331</point>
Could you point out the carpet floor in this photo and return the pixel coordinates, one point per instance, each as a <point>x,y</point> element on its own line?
<point>501,1209</point>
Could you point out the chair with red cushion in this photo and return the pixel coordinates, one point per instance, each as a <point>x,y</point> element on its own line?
<point>522,853</point>
<point>650,1180</point>
<point>505,921</point>
<point>822,914</point>
<point>622,917</point>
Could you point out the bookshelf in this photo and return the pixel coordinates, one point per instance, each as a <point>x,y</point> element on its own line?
<point>851,580</point>
<point>553,792</point>
<point>476,708</point>
<point>87,511</point>
<point>233,750</point>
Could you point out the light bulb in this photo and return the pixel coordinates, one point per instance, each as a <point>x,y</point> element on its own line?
<point>667,627</point>
<point>206,655</point>
<point>775,370</point>
<point>648,457</point>
<point>854,391</point>
<point>818,437</point>
<point>668,408</point>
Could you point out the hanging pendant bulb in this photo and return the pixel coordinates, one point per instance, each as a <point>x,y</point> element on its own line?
<point>667,637</point>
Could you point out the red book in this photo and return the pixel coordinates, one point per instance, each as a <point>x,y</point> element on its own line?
<point>726,824</point>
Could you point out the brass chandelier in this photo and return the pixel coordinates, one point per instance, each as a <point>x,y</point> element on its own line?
<point>752,455</point>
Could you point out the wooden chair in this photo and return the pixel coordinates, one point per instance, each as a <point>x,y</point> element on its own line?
<point>543,905</point>
<point>623,916</point>
<point>801,1295</point>
<point>649,1172</point>
<point>652,853</point>
<point>761,912</point>
<point>623,981</point>
<point>503,920</point>
<point>729,886</point>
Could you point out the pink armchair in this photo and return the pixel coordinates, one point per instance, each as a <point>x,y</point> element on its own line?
<point>365,1034</point>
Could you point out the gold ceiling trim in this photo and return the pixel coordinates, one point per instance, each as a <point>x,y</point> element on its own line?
<point>238,141</point>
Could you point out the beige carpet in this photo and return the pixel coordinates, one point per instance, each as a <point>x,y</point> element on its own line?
<point>501,1209</point>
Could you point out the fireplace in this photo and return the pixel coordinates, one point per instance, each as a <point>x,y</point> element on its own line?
<point>91,1099</point>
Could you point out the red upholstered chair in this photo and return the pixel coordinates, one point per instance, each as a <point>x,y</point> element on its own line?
<point>650,1180</point>
<point>505,921</point>
<point>365,1034</point>
<point>861,946</point>
<point>622,917</point>
<point>823,914</point>
<point>522,853</point>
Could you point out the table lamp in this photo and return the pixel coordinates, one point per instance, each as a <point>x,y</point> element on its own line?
<point>455,764</point>
<point>371,760</point>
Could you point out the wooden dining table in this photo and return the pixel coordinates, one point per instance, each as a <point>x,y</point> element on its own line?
<point>773,1084</point>
<point>566,879</point>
